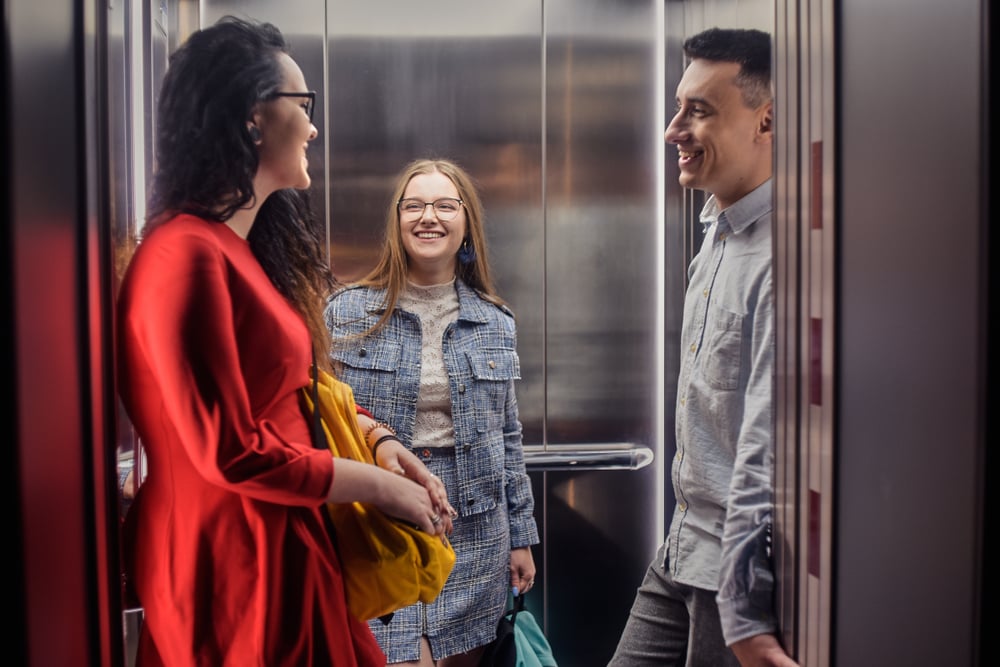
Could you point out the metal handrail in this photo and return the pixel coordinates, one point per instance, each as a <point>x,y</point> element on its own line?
<point>602,456</point>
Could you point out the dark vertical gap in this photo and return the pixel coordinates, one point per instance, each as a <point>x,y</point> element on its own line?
<point>15,644</point>
<point>83,64</point>
<point>987,649</point>
<point>838,269</point>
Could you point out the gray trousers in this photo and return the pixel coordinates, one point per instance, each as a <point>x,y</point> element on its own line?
<point>672,624</point>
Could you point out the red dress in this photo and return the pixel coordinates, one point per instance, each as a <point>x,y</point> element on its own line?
<point>225,542</point>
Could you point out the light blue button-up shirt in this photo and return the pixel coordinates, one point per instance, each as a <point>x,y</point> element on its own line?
<point>722,473</point>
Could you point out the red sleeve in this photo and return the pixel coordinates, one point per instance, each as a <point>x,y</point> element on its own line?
<point>362,411</point>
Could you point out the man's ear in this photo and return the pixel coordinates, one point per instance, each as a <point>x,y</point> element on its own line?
<point>766,121</point>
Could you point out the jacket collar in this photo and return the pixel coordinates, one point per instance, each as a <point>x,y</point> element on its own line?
<point>471,306</point>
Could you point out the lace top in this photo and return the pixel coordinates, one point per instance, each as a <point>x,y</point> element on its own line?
<point>437,307</point>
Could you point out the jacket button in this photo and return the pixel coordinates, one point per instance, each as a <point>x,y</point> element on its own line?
<point>470,502</point>
<point>362,352</point>
<point>493,364</point>
<point>461,388</point>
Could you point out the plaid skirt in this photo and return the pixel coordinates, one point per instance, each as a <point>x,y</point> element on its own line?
<point>466,612</point>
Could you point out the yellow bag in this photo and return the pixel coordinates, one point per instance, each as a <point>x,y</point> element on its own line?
<point>387,563</point>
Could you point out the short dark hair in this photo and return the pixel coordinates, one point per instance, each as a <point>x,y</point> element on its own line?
<point>750,48</point>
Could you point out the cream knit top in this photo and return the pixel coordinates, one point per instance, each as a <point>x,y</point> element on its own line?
<point>437,307</point>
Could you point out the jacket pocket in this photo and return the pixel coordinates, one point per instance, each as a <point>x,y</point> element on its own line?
<point>370,355</point>
<point>493,370</point>
<point>722,354</point>
<point>494,364</point>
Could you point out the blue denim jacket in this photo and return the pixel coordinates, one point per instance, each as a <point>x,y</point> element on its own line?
<point>724,467</point>
<point>481,360</point>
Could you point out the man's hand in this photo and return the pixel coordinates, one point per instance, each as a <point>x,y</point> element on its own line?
<point>762,651</point>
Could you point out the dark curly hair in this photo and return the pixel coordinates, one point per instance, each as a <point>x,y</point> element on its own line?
<point>206,159</point>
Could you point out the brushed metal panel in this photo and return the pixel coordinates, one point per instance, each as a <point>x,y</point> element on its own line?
<point>602,291</point>
<point>444,79</point>
<point>601,215</point>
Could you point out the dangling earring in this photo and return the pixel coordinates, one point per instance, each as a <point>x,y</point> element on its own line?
<point>255,136</point>
<point>467,253</point>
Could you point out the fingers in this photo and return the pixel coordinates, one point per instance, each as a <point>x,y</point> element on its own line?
<point>439,495</point>
<point>403,462</point>
<point>523,586</point>
<point>522,569</point>
<point>439,525</point>
<point>442,522</point>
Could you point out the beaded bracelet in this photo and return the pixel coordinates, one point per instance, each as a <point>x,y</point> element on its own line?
<point>375,425</point>
<point>384,438</point>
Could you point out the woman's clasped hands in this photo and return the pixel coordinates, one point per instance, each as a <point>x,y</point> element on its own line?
<point>438,513</point>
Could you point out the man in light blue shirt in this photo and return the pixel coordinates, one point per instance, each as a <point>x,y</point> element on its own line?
<point>708,596</point>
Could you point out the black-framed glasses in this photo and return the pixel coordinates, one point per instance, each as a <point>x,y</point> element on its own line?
<point>445,208</point>
<point>310,105</point>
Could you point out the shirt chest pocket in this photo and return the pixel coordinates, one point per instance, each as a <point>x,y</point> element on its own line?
<point>722,354</point>
<point>492,370</point>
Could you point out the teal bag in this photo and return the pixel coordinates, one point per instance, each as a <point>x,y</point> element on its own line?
<point>533,648</point>
<point>520,642</point>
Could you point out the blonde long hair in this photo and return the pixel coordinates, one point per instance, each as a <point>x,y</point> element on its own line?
<point>392,267</point>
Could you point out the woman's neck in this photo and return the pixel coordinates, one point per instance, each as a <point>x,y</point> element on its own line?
<point>431,275</point>
<point>243,219</point>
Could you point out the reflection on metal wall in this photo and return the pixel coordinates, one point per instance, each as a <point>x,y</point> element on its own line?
<point>603,270</point>
<point>450,79</point>
<point>554,108</point>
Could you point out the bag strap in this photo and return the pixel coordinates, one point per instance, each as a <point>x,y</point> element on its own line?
<point>518,606</point>
<point>319,442</point>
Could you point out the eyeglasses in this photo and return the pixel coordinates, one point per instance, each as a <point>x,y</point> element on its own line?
<point>445,208</point>
<point>310,105</point>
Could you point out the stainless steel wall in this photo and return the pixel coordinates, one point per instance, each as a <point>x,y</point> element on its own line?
<point>556,109</point>
<point>908,273</point>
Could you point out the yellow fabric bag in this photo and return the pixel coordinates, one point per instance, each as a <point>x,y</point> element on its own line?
<point>387,563</point>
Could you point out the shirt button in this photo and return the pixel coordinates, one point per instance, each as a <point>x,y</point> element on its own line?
<point>461,388</point>
<point>722,236</point>
<point>492,364</point>
<point>682,506</point>
<point>704,293</point>
<point>683,401</point>
<point>694,347</point>
<point>466,448</point>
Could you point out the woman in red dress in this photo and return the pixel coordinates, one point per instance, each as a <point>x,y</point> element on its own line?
<point>219,320</point>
